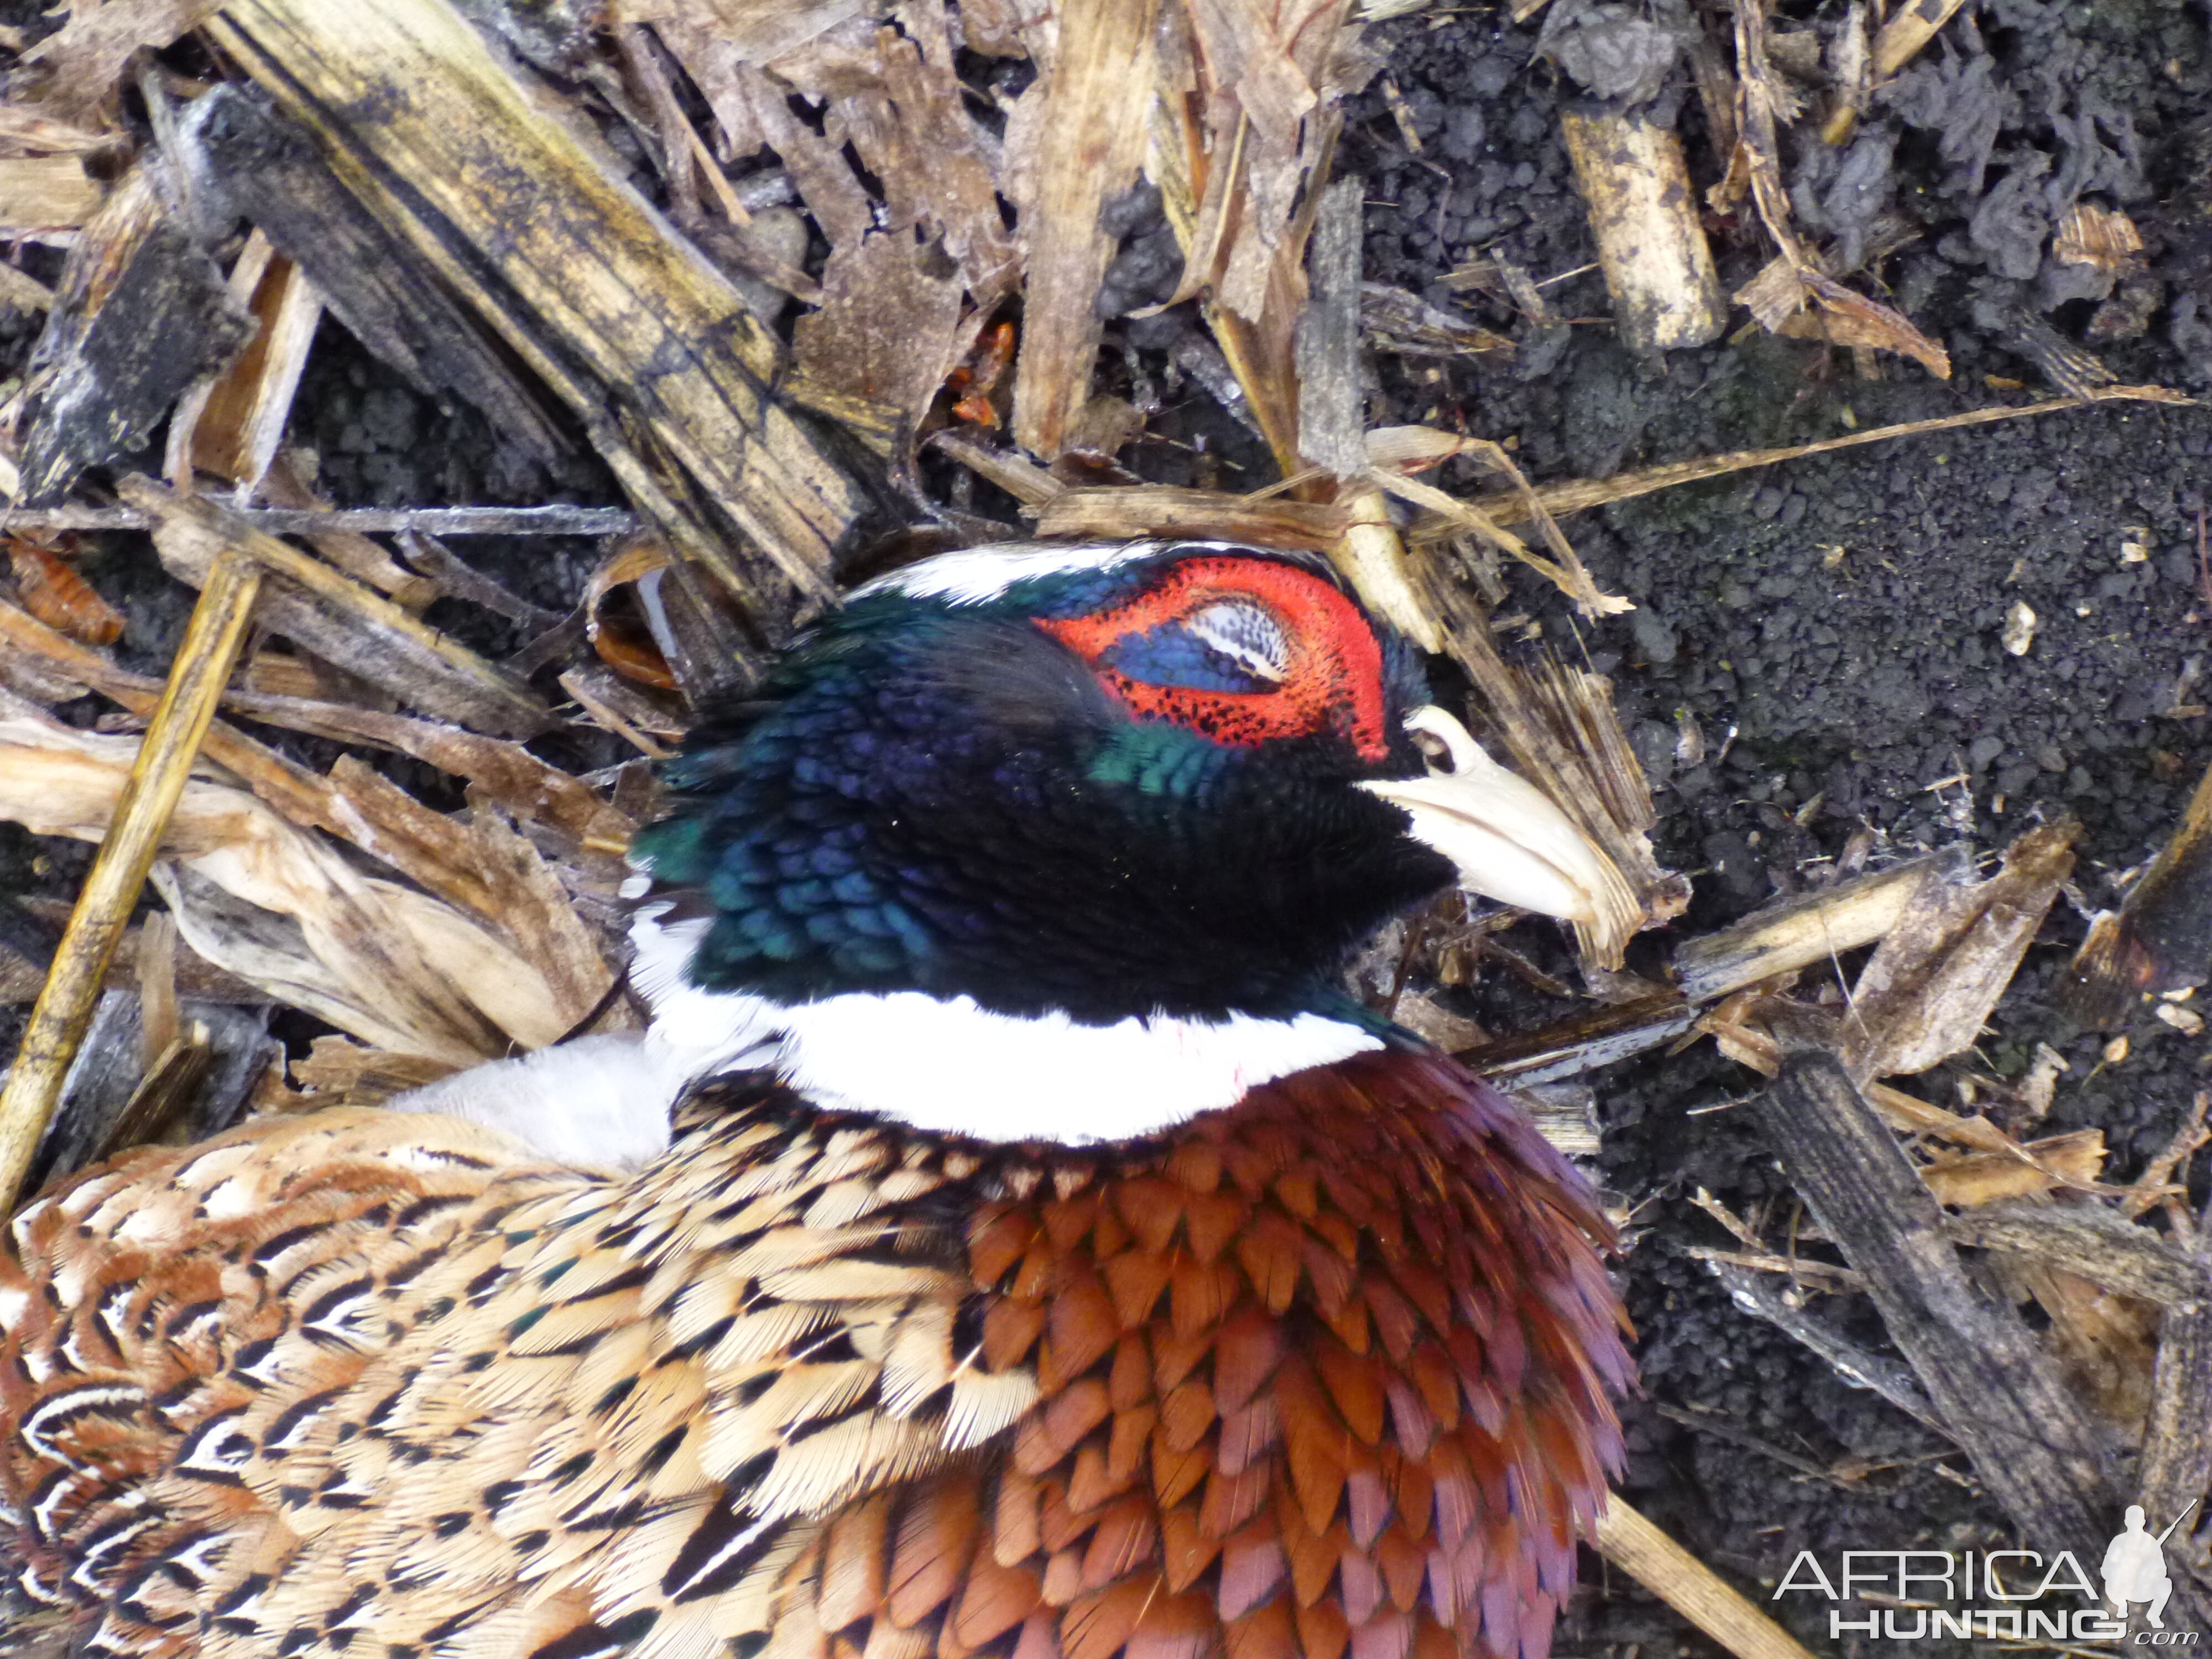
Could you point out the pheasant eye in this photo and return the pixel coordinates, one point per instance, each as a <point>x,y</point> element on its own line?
<point>1250,635</point>
<point>1244,649</point>
<point>1235,647</point>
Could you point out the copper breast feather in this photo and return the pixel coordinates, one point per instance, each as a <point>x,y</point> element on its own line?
<point>1325,1375</point>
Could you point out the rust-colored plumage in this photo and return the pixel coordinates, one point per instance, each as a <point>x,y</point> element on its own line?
<point>1322,1376</point>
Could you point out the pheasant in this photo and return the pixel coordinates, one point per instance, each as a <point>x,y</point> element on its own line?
<point>1006,1239</point>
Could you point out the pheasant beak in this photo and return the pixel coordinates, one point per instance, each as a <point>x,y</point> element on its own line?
<point>1510,843</point>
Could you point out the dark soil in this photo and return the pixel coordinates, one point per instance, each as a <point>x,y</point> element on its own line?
<point>1840,616</point>
<point>1832,626</point>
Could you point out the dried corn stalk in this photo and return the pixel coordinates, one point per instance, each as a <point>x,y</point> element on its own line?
<point>265,901</point>
<point>1088,122</point>
<point>650,345</point>
<point>46,192</point>
<point>141,314</point>
<point>1943,963</point>
<point>1658,267</point>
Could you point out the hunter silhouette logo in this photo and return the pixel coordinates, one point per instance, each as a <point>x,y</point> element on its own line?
<point>2135,1566</point>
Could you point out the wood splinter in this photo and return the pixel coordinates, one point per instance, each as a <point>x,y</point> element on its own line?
<point>1629,1541</point>
<point>1657,266</point>
<point>1998,1394</point>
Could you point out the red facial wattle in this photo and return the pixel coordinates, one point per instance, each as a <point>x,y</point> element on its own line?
<point>1331,678</point>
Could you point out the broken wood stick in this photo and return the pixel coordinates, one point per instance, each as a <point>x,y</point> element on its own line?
<point>1798,933</point>
<point>242,420</point>
<point>627,322</point>
<point>1942,966</point>
<point>1626,1538</point>
<point>1998,1392</point>
<point>2176,1463</point>
<point>1020,477</point>
<point>1658,267</point>
<point>65,1008</point>
<point>268,173</point>
<point>1392,320</point>
<point>340,620</point>
<point>2093,1241</point>
<point>1558,724</point>
<point>1971,1179</point>
<point>1333,418</point>
<point>557,520</point>
<point>455,576</point>
<point>1757,1294</point>
<point>1332,403</point>
<point>141,312</point>
<point>1906,1113</point>
<point>1581,1043</point>
<point>1909,28</point>
<point>1096,93</point>
<point>246,272</point>
<point>1816,927</point>
<point>1134,510</point>
<point>46,192</point>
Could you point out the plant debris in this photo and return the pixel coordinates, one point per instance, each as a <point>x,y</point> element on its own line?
<point>785,295</point>
<point>2160,937</point>
<point>1658,266</point>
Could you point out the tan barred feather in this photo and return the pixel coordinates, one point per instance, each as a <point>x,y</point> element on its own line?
<point>1321,1376</point>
